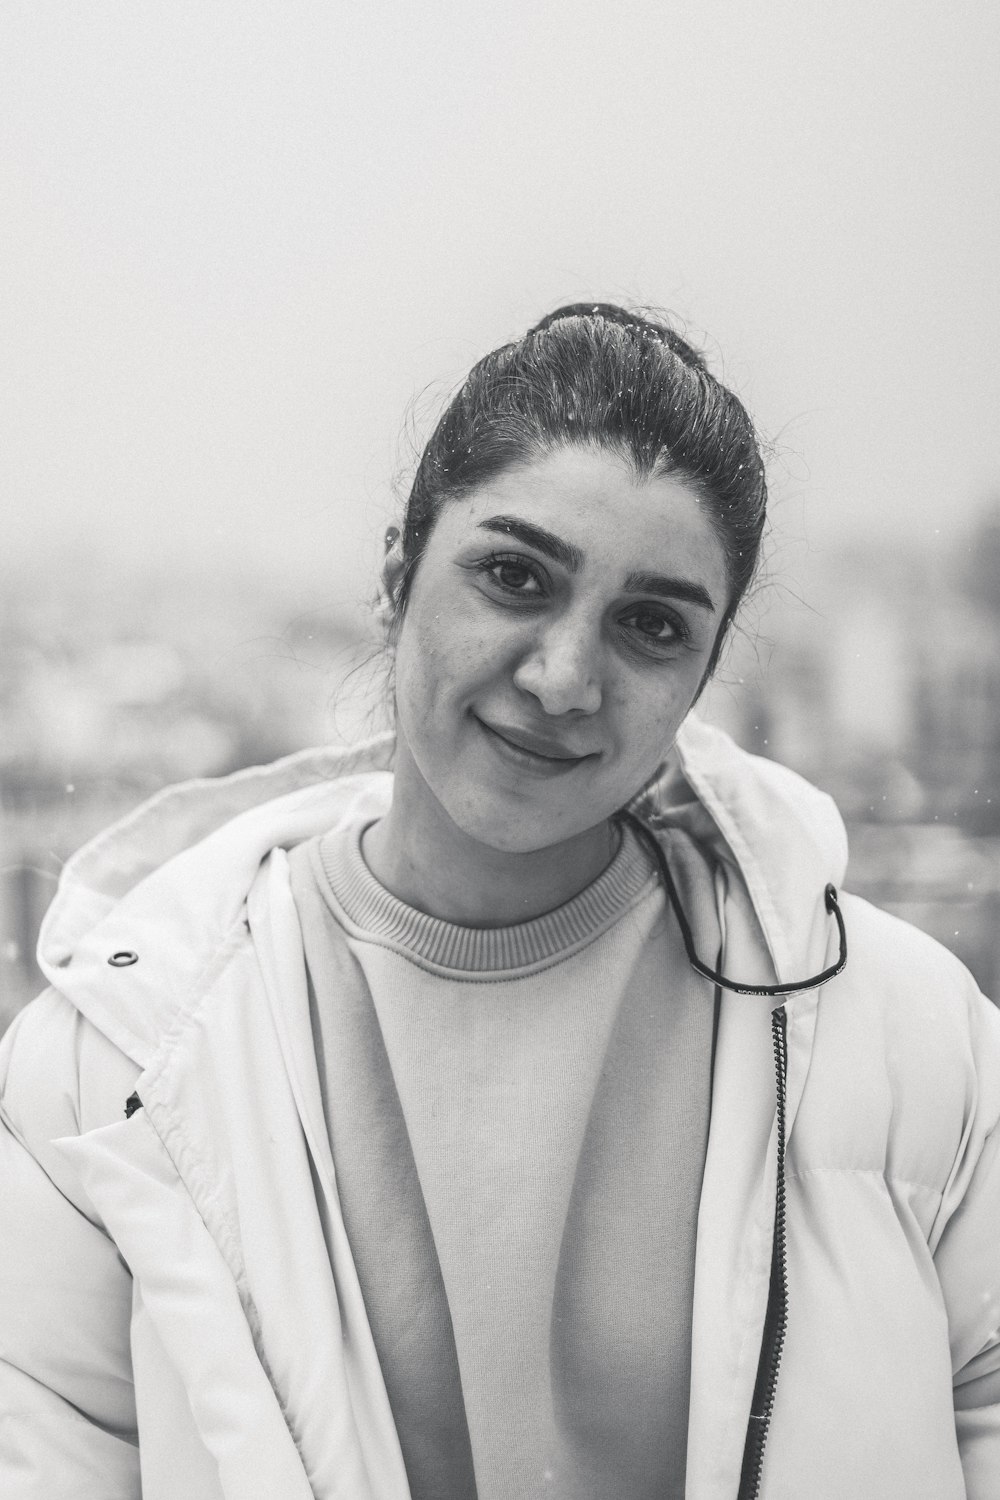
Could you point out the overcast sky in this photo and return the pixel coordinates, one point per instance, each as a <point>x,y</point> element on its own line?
<point>240,238</point>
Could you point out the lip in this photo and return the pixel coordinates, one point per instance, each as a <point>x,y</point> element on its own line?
<point>539,748</point>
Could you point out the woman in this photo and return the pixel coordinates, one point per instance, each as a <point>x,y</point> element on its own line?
<point>516,1123</point>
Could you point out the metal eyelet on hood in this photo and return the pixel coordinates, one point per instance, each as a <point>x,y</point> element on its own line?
<point>123,959</point>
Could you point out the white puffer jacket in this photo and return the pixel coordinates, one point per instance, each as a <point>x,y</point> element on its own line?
<point>167,1274</point>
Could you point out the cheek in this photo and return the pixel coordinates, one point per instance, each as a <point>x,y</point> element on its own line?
<point>645,706</point>
<point>418,689</point>
<point>647,720</point>
<point>438,659</point>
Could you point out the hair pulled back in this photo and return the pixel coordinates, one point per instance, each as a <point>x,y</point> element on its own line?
<point>597,375</point>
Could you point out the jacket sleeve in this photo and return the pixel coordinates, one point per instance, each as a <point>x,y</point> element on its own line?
<point>967,1258</point>
<point>68,1424</point>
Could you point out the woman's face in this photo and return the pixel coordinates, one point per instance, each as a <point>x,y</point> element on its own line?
<point>558,627</point>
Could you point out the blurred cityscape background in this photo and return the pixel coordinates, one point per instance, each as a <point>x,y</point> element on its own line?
<point>241,239</point>
<point>883,687</point>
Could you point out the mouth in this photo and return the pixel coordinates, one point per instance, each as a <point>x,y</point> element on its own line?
<point>534,749</point>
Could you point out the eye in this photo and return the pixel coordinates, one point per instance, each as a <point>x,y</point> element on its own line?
<point>512,574</point>
<point>654,627</point>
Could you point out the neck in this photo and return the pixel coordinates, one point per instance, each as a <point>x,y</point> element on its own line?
<point>449,875</point>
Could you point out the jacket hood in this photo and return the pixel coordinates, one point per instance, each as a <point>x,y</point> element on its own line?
<point>172,877</point>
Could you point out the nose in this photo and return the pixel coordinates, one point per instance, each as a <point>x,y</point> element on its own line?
<point>562,669</point>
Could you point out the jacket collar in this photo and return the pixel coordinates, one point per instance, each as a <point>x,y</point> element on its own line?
<point>785,837</point>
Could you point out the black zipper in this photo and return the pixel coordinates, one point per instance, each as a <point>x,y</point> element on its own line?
<point>776,1317</point>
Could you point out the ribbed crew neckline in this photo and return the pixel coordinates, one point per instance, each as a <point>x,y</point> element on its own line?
<point>374,913</point>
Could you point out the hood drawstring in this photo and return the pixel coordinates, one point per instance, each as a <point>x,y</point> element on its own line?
<point>793,986</point>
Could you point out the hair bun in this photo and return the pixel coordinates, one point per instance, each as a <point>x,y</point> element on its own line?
<point>610,312</point>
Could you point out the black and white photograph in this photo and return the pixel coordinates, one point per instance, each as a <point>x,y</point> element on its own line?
<point>499,750</point>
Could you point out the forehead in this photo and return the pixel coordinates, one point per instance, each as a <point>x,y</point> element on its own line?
<point>591,499</point>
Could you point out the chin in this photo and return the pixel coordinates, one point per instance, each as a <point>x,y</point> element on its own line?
<point>507,835</point>
<point>522,830</point>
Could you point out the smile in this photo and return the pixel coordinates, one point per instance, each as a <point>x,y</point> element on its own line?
<point>531,751</point>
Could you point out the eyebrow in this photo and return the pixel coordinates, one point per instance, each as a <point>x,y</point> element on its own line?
<point>543,541</point>
<point>571,558</point>
<point>669,588</point>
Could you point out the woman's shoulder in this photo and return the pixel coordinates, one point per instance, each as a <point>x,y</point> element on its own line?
<point>168,884</point>
<point>908,1012</point>
<point>903,1079</point>
<point>904,967</point>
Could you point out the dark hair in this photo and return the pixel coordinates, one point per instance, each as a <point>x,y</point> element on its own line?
<point>598,375</point>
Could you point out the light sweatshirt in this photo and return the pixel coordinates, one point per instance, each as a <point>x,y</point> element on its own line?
<point>540,1096</point>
